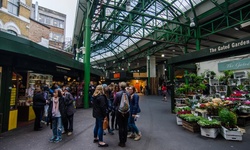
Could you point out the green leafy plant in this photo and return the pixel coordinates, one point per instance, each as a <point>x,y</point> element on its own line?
<point>209,123</point>
<point>190,117</point>
<point>241,87</point>
<point>228,118</point>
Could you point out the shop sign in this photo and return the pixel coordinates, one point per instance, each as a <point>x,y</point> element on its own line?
<point>234,65</point>
<point>227,46</point>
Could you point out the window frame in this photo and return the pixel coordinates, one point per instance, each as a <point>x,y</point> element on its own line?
<point>12,4</point>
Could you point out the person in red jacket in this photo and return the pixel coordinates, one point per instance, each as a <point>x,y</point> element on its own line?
<point>164,92</point>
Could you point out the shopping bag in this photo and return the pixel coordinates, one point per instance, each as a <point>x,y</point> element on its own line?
<point>105,123</point>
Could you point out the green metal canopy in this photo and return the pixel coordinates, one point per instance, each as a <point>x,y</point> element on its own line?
<point>124,32</point>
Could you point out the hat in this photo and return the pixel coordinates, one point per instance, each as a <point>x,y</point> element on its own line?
<point>67,88</point>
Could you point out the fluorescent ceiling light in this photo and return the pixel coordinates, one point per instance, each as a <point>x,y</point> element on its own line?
<point>245,24</point>
<point>63,68</point>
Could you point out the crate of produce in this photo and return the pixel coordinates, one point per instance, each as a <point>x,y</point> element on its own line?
<point>191,126</point>
<point>178,120</point>
<point>209,132</point>
<point>235,134</point>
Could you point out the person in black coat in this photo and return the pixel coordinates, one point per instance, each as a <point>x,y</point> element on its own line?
<point>69,110</point>
<point>38,107</point>
<point>99,113</point>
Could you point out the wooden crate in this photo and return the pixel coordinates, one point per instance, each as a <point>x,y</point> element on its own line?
<point>209,132</point>
<point>191,126</point>
<point>178,121</point>
<point>231,135</point>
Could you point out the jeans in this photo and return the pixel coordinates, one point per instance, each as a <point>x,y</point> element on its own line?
<point>57,127</point>
<point>98,130</point>
<point>122,120</point>
<point>131,124</point>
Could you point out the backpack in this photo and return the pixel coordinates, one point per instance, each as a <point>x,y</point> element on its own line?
<point>124,104</point>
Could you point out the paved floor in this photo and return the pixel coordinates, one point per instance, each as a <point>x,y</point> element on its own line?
<point>156,122</point>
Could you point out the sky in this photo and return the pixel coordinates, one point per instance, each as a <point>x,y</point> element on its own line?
<point>67,7</point>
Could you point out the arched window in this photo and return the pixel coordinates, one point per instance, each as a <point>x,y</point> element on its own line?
<point>13,7</point>
<point>11,26</point>
<point>12,32</point>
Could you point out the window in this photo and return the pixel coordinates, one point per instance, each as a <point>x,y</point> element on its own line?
<point>41,18</point>
<point>12,32</point>
<point>55,22</point>
<point>47,20</point>
<point>56,37</point>
<point>13,7</point>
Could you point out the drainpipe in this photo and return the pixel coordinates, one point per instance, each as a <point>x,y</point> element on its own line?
<point>36,11</point>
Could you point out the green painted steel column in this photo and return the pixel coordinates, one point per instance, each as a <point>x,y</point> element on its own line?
<point>197,39</point>
<point>87,60</point>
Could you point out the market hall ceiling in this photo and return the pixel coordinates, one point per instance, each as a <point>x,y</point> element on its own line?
<point>125,32</point>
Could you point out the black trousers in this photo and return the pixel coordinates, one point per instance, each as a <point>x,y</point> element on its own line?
<point>113,120</point>
<point>38,112</point>
<point>122,120</point>
<point>68,123</point>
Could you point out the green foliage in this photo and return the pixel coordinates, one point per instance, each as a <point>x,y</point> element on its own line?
<point>228,73</point>
<point>185,108</point>
<point>241,87</point>
<point>228,118</point>
<point>190,117</point>
<point>212,73</point>
<point>207,123</point>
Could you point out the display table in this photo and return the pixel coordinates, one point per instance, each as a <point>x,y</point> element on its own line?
<point>25,113</point>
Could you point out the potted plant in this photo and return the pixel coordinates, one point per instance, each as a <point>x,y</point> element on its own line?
<point>209,128</point>
<point>228,119</point>
<point>189,122</point>
<point>212,73</point>
<point>229,130</point>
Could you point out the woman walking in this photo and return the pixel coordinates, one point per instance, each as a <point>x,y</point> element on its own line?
<point>99,113</point>
<point>56,113</point>
<point>134,109</point>
<point>114,124</point>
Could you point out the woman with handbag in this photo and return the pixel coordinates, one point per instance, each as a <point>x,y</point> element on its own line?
<point>99,113</point>
<point>134,110</point>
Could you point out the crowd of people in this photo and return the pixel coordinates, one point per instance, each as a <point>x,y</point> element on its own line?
<point>118,103</point>
<point>56,107</point>
<point>108,100</point>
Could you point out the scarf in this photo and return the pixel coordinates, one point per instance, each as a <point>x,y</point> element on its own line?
<point>55,106</point>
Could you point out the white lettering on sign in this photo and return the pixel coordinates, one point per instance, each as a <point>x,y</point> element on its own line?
<point>238,65</point>
<point>230,45</point>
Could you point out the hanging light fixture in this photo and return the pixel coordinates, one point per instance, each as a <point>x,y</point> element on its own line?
<point>192,23</point>
<point>128,6</point>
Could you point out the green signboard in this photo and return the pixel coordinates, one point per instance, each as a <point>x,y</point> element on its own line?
<point>234,65</point>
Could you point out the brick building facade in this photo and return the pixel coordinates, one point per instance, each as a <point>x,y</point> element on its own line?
<point>36,23</point>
